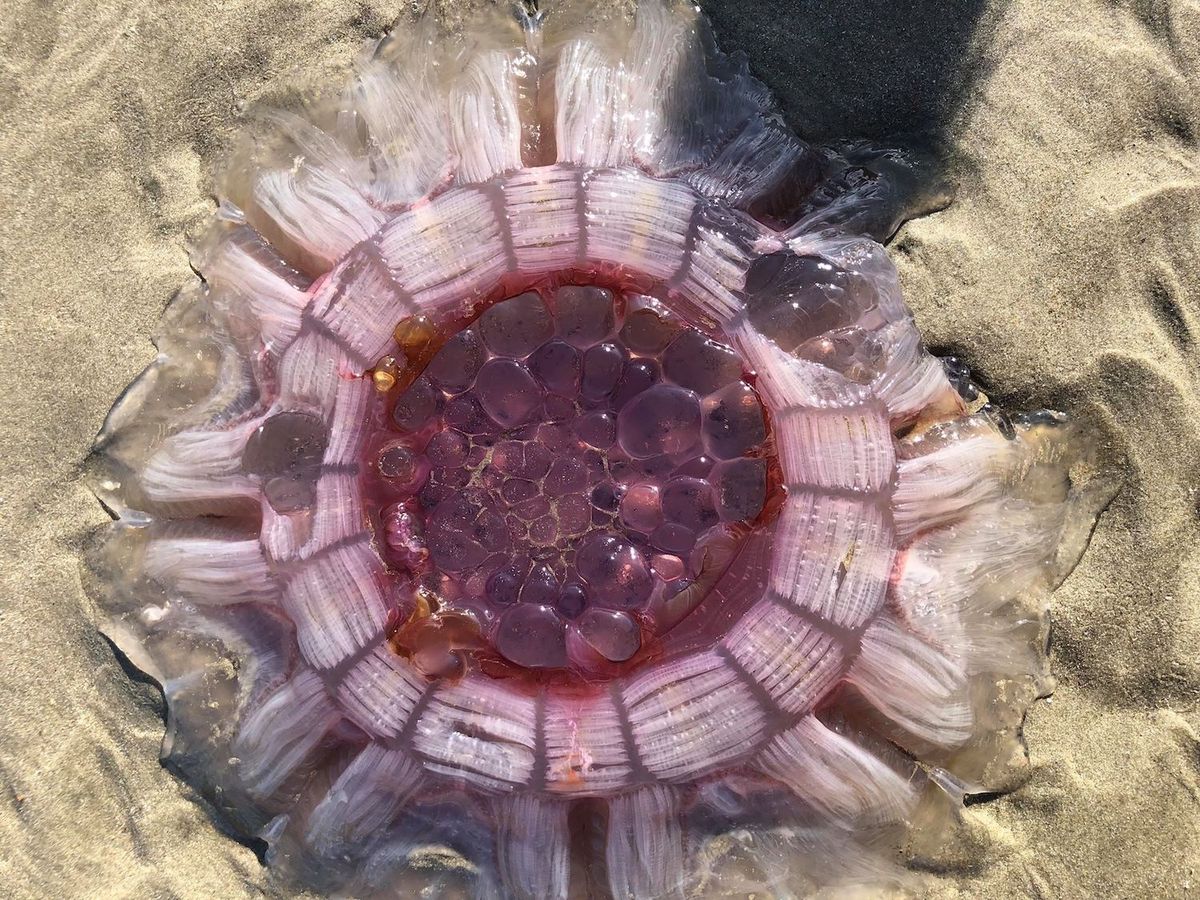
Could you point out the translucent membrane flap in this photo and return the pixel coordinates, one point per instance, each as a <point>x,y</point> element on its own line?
<point>534,846</point>
<point>645,844</point>
<point>364,799</point>
<point>835,775</point>
<point>915,684</point>
<point>281,734</point>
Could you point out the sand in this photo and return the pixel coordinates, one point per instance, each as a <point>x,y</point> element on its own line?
<point>1064,273</point>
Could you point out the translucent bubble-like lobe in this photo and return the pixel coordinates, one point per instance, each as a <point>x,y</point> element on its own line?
<point>645,331</point>
<point>532,635</point>
<point>734,422</point>
<point>689,502</point>
<point>602,368</point>
<point>454,368</point>
<point>700,364</point>
<point>641,507</point>
<point>286,444</point>
<point>665,419</point>
<point>286,451</point>
<point>558,366</point>
<point>548,493</point>
<point>794,299</point>
<point>504,586</point>
<point>616,573</point>
<point>741,488</point>
<point>516,327</point>
<point>637,376</point>
<point>416,406</point>
<point>599,429</point>
<point>585,315</point>
<point>612,634</point>
<point>507,392</point>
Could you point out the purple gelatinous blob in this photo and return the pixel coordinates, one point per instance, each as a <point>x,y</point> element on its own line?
<point>645,331</point>
<point>558,409</point>
<point>696,467</point>
<point>451,537</point>
<point>574,514</point>
<point>659,467</point>
<point>673,538</point>
<point>598,429</point>
<point>454,367</point>
<point>556,438</point>
<point>521,460</point>
<point>536,507</point>
<point>507,392</point>
<point>490,530</point>
<point>641,507</point>
<point>572,600</point>
<point>699,363</point>
<point>558,366</point>
<point>516,327</point>
<point>543,531</point>
<point>464,413</point>
<point>662,420</point>
<point>733,421</point>
<point>402,466</point>
<point>516,490</point>
<point>611,633</point>
<point>602,366</point>
<point>432,495</point>
<point>541,585</point>
<point>447,448</point>
<point>567,475</point>
<point>639,374</point>
<point>504,585</point>
<point>416,406</point>
<point>585,315</point>
<point>615,571</point>
<point>741,488</point>
<point>397,462</point>
<point>533,636</point>
<point>689,502</point>
<point>607,496</point>
<point>596,466</point>
<point>454,478</point>
<point>491,477</point>
<point>667,566</point>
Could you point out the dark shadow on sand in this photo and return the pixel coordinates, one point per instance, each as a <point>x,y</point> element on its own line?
<point>886,70</point>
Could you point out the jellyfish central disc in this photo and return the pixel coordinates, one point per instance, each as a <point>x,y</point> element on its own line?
<point>558,469</point>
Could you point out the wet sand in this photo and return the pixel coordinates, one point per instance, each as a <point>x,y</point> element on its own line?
<point>1064,273</point>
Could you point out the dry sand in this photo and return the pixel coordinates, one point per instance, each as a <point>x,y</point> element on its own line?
<point>1065,272</point>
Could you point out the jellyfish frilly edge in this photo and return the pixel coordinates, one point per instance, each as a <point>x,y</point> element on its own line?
<point>792,695</point>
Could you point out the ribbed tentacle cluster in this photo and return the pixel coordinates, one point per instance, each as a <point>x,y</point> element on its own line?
<point>551,449</point>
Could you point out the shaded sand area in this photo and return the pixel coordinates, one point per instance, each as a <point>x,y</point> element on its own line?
<point>1065,273</point>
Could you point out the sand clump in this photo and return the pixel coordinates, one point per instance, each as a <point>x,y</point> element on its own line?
<point>1064,273</point>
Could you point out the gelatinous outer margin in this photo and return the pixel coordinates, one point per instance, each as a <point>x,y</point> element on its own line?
<point>894,636</point>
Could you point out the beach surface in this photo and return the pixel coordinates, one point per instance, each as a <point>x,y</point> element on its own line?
<point>1064,273</point>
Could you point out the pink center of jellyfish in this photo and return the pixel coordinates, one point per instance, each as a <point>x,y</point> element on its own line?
<point>558,471</point>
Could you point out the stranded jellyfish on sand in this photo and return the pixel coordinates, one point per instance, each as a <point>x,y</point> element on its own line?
<point>547,494</point>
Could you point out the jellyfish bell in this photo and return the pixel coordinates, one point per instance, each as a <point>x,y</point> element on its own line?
<point>547,490</point>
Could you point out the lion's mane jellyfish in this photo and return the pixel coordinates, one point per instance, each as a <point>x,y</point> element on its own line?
<point>546,493</point>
